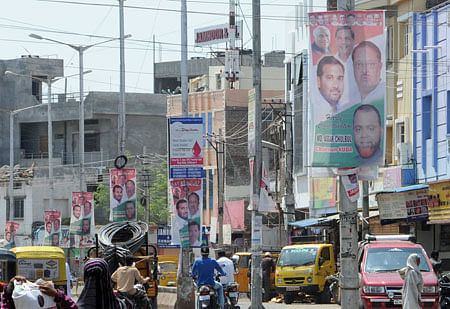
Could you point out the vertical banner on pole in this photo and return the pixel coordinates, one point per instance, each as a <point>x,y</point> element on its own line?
<point>10,234</point>
<point>52,220</point>
<point>123,194</point>
<point>186,172</point>
<point>348,87</point>
<point>82,223</point>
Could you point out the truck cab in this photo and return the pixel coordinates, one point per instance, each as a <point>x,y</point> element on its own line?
<point>304,268</point>
<point>380,257</point>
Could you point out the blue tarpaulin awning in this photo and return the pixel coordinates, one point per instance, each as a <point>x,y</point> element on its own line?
<point>404,189</point>
<point>310,222</point>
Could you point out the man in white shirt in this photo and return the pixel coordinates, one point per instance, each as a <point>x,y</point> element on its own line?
<point>227,265</point>
<point>330,83</point>
<point>367,68</point>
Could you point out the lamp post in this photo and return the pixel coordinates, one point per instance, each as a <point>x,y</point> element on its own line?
<point>49,81</point>
<point>80,49</point>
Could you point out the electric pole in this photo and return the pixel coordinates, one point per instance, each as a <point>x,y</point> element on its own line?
<point>220,182</point>
<point>348,216</point>
<point>256,275</point>
<point>122,124</point>
<point>185,287</point>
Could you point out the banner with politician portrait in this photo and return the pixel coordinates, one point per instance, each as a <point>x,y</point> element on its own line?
<point>10,234</point>
<point>82,222</point>
<point>123,194</point>
<point>347,88</point>
<point>52,222</point>
<point>187,207</point>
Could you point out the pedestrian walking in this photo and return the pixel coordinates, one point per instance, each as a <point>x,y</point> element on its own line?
<point>268,266</point>
<point>413,284</point>
<point>98,292</point>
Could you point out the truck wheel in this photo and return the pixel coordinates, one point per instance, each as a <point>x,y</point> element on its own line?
<point>288,299</point>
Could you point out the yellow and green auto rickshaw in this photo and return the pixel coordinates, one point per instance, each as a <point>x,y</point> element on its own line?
<point>46,262</point>
<point>7,266</point>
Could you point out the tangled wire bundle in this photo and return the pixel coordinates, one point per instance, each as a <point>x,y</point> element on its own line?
<point>119,239</point>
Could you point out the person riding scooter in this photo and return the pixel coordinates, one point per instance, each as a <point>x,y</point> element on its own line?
<point>125,276</point>
<point>203,269</point>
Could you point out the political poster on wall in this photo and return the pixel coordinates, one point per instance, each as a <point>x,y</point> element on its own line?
<point>123,194</point>
<point>82,221</point>
<point>10,234</point>
<point>322,196</point>
<point>187,196</point>
<point>52,222</point>
<point>65,237</point>
<point>348,88</point>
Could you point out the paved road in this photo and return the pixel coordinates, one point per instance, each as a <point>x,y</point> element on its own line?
<point>244,303</point>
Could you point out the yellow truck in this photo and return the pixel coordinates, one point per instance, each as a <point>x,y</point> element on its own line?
<point>303,269</point>
<point>167,270</point>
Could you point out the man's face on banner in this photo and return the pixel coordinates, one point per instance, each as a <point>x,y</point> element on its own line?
<point>344,43</point>
<point>342,19</point>
<point>331,83</point>
<point>193,203</point>
<point>182,210</point>
<point>117,193</point>
<point>130,210</point>
<point>322,39</point>
<point>55,240</point>
<point>8,236</point>
<point>86,226</point>
<point>56,224</point>
<point>368,132</point>
<point>367,68</point>
<point>76,211</point>
<point>130,188</point>
<point>312,20</point>
<point>48,227</point>
<point>320,19</point>
<point>194,233</point>
<point>377,19</point>
<point>369,18</point>
<point>351,20</point>
<point>87,208</point>
<point>360,19</point>
<point>122,179</point>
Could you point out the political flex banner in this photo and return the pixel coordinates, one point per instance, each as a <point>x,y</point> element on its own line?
<point>52,221</point>
<point>10,234</point>
<point>348,87</point>
<point>123,194</point>
<point>82,223</point>
<point>187,197</point>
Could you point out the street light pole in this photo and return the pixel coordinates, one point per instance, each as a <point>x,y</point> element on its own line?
<point>80,49</point>
<point>122,81</point>
<point>11,161</point>
<point>50,142</point>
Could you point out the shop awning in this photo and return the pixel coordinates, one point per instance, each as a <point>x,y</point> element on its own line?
<point>404,189</point>
<point>310,222</point>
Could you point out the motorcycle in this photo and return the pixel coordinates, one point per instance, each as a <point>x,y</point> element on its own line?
<point>208,298</point>
<point>135,301</point>
<point>231,293</point>
<point>333,284</point>
<point>444,291</point>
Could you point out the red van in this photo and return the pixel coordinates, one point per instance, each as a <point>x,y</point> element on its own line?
<point>379,259</point>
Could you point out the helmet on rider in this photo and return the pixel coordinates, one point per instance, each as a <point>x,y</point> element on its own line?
<point>204,251</point>
<point>267,254</point>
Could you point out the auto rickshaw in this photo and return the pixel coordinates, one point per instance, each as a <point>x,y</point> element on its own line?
<point>243,275</point>
<point>46,262</point>
<point>167,269</point>
<point>7,266</point>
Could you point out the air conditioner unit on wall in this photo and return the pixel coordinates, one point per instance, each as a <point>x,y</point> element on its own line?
<point>403,153</point>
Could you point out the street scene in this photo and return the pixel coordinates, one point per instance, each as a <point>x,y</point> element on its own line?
<point>224,154</point>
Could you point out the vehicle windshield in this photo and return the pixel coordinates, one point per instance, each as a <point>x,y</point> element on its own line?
<point>297,257</point>
<point>392,259</point>
<point>167,267</point>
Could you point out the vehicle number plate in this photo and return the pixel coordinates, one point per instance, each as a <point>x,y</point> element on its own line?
<point>292,288</point>
<point>233,294</point>
<point>203,297</point>
<point>397,301</point>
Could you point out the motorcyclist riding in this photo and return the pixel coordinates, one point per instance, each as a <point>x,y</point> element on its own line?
<point>204,268</point>
<point>125,276</point>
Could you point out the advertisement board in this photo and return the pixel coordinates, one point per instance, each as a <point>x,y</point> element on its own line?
<point>52,222</point>
<point>82,222</point>
<point>347,88</point>
<point>122,198</point>
<point>10,234</point>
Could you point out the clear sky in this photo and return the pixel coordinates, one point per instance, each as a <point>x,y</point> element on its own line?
<point>79,22</point>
